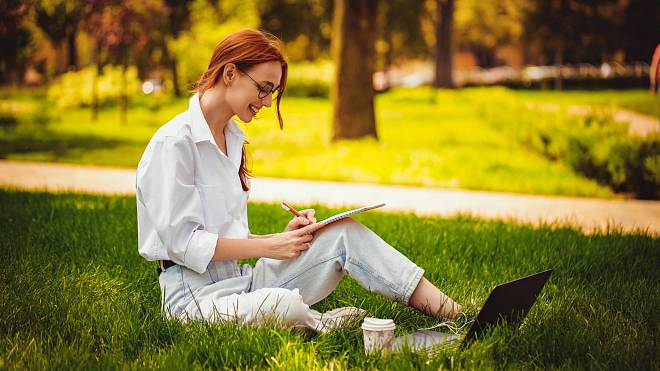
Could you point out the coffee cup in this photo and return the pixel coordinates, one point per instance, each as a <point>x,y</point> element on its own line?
<point>378,334</point>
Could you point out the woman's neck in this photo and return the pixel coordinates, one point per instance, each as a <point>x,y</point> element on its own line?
<point>215,110</point>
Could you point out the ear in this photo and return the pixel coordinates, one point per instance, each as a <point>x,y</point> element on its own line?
<point>229,73</point>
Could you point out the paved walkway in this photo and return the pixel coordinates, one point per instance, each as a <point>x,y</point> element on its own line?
<point>587,214</point>
<point>638,124</point>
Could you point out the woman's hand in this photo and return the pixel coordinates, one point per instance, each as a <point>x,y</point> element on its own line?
<point>290,244</point>
<point>299,222</point>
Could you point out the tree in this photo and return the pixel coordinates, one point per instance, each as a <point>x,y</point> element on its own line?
<point>59,20</point>
<point>638,35</point>
<point>482,27</point>
<point>210,22</point>
<point>354,22</point>
<point>574,31</point>
<point>14,40</point>
<point>303,25</point>
<point>178,21</point>
<point>399,33</point>
<point>443,44</point>
<point>120,28</point>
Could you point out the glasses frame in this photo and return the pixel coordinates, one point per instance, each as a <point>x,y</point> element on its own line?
<point>263,90</point>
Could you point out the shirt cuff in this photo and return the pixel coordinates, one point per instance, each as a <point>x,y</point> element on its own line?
<point>201,250</point>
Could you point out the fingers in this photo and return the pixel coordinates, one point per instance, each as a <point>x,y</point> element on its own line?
<point>298,251</point>
<point>309,229</point>
<point>307,238</point>
<point>309,214</point>
<point>299,221</point>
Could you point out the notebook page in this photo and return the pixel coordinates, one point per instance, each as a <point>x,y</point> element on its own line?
<point>348,213</point>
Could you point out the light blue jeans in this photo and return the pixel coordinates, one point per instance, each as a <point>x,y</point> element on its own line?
<point>285,288</point>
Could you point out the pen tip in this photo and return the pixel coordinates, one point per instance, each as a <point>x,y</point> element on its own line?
<point>284,206</point>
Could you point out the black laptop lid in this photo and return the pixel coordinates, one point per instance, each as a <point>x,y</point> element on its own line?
<point>508,302</point>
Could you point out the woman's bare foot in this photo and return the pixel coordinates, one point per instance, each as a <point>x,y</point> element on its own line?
<point>429,299</point>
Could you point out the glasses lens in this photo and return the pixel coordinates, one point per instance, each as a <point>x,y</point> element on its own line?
<point>265,90</point>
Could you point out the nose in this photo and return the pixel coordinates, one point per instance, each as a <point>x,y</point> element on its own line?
<point>267,100</point>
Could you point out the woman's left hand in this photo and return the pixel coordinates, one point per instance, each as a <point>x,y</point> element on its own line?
<point>299,222</point>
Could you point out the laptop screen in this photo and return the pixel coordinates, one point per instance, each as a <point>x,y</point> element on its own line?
<point>508,303</point>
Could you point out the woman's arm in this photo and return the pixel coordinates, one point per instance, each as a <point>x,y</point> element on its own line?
<point>285,245</point>
<point>255,236</point>
<point>233,249</point>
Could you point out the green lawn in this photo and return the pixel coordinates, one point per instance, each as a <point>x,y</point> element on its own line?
<point>76,295</point>
<point>636,100</point>
<point>465,139</point>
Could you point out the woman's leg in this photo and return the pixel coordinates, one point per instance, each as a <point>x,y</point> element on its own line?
<point>267,306</point>
<point>429,299</point>
<point>348,247</point>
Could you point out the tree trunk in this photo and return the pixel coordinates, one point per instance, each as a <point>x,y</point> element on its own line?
<point>559,60</point>
<point>72,62</point>
<point>175,76</point>
<point>353,49</point>
<point>443,45</point>
<point>123,97</point>
<point>95,82</point>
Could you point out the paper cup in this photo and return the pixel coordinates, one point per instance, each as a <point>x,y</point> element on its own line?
<point>378,334</point>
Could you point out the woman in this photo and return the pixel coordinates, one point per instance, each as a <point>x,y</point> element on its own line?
<point>192,191</point>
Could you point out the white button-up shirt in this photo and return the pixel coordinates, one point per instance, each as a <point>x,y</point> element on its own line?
<point>188,192</point>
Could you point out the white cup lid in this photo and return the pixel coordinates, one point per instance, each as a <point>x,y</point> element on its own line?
<point>378,324</point>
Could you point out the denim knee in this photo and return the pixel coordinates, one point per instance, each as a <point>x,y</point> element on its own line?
<point>341,227</point>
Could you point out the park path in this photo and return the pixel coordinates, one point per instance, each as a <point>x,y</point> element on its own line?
<point>584,213</point>
<point>638,124</point>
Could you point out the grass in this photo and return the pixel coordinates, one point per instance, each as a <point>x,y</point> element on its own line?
<point>640,101</point>
<point>444,139</point>
<point>76,295</point>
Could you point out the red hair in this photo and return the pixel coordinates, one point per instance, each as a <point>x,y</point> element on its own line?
<point>245,49</point>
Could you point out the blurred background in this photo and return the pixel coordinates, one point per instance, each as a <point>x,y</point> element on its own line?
<point>552,97</point>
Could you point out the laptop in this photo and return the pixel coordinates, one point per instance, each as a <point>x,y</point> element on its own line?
<point>508,303</point>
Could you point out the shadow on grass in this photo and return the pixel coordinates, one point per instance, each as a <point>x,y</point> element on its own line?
<point>56,144</point>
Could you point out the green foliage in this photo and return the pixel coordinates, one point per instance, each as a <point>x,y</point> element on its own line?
<point>8,120</point>
<point>76,295</point>
<point>592,144</point>
<point>310,79</point>
<point>211,22</point>
<point>489,24</point>
<point>75,89</point>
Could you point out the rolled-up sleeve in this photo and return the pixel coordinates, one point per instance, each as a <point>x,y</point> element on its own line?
<point>166,185</point>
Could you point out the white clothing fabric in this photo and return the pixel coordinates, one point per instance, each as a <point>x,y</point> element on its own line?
<point>188,192</point>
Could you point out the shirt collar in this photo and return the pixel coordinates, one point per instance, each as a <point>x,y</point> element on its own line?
<point>200,128</point>
<point>200,131</point>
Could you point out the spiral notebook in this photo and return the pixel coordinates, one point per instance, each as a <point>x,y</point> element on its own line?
<point>348,213</point>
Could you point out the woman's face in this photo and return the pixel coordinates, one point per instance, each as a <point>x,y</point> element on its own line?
<point>242,93</point>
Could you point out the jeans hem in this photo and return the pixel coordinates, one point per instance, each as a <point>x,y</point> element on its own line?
<point>412,285</point>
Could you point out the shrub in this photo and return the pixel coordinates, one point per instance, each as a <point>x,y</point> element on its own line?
<point>8,120</point>
<point>594,144</point>
<point>74,89</point>
<point>310,79</point>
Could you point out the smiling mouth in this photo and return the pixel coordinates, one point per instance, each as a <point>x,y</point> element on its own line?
<point>253,109</point>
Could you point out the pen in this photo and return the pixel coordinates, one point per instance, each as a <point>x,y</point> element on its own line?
<point>289,208</point>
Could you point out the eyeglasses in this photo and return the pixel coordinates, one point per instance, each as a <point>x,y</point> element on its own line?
<point>264,90</point>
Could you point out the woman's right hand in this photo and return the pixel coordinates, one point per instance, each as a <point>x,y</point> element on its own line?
<point>289,245</point>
